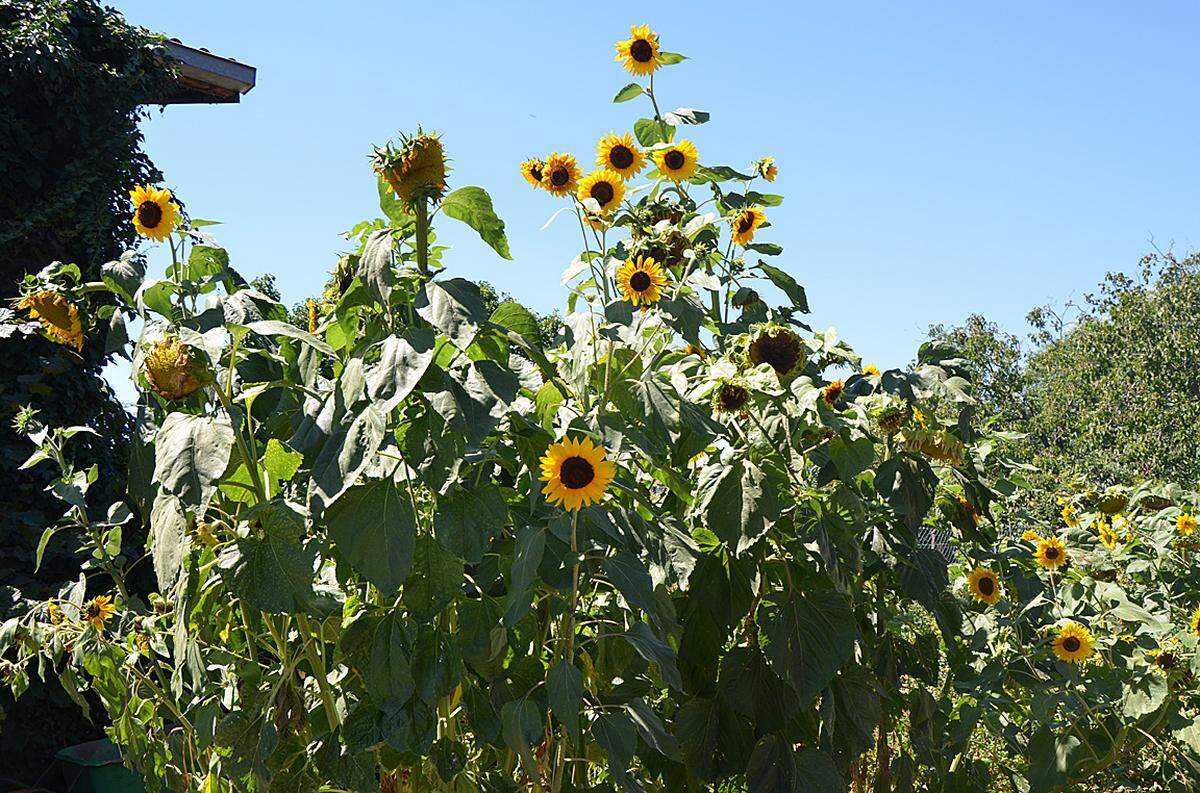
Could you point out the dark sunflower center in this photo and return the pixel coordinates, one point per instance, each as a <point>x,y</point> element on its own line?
<point>149,214</point>
<point>780,351</point>
<point>558,177</point>
<point>1071,644</point>
<point>639,281</point>
<point>1166,660</point>
<point>93,611</point>
<point>602,192</point>
<point>620,157</point>
<point>733,397</point>
<point>987,586</point>
<point>641,51</point>
<point>745,223</point>
<point>576,472</point>
<point>1051,553</point>
<point>536,172</point>
<point>674,159</point>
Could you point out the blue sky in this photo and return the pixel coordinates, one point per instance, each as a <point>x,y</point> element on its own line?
<point>938,159</point>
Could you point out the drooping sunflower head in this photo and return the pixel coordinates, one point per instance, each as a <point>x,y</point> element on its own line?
<point>641,280</point>
<point>606,188</point>
<point>620,154</point>
<point>154,213</point>
<point>639,53</point>
<point>870,370</point>
<point>1074,643</point>
<point>677,161</point>
<point>984,585</point>
<point>766,168</point>
<point>1051,553</point>
<point>890,418</point>
<point>172,368</point>
<point>99,611</point>
<point>415,170</point>
<point>1185,524</point>
<point>576,473</point>
<point>745,223</point>
<point>730,396</point>
<point>779,347</point>
<point>561,174</point>
<point>532,169</point>
<point>58,316</point>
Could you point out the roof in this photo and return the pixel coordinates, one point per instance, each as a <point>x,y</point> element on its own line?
<point>206,78</point>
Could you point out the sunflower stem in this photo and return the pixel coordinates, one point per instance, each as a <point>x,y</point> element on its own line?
<point>422,212</point>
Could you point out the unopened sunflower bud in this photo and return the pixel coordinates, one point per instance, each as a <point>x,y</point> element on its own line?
<point>415,170</point>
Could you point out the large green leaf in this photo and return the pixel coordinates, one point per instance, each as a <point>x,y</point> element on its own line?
<point>375,645</point>
<point>787,284</point>
<point>345,454</point>
<point>513,316</point>
<point>715,740</point>
<point>454,307</point>
<point>531,543</point>
<point>737,503</point>
<point>402,363</point>
<point>375,529</point>
<point>375,265</point>
<point>168,532</point>
<point>633,580</point>
<point>853,700</point>
<point>467,519</point>
<point>521,724</point>
<point>564,689</point>
<point>473,206</point>
<point>615,735</point>
<point>809,638</point>
<point>436,577</point>
<point>655,650</point>
<point>190,454</point>
<point>270,569</point>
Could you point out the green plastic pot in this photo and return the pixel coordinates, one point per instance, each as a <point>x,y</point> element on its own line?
<point>95,767</point>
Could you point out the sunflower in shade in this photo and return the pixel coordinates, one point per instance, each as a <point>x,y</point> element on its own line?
<point>745,223</point>
<point>607,188</point>
<point>576,473</point>
<point>677,161</point>
<point>532,169</point>
<point>154,213</point>
<point>639,53</point>
<point>641,281</point>
<point>99,611</point>
<point>620,154</point>
<point>1074,643</point>
<point>560,174</point>
<point>58,316</point>
<point>1051,553</point>
<point>984,585</point>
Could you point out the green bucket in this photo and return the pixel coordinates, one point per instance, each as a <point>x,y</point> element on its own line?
<point>95,767</point>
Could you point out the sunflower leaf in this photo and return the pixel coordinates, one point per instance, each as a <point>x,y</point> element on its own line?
<point>473,206</point>
<point>686,115</point>
<point>651,132</point>
<point>671,58</point>
<point>630,91</point>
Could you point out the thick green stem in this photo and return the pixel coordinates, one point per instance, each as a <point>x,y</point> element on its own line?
<point>309,637</point>
<point>422,212</point>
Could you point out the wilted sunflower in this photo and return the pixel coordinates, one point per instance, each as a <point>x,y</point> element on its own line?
<point>58,316</point>
<point>154,213</point>
<point>620,155</point>
<point>100,611</point>
<point>1074,643</point>
<point>730,396</point>
<point>1051,553</point>
<point>677,161</point>
<point>1069,517</point>
<point>778,346</point>
<point>984,585</point>
<point>641,280</point>
<point>639,54</point>
<point>890,418</point>
<point>561,174</point>
<point>871,370</point>
<point>171,368</point>
<point>576,473</point>
<point>1185,524</point>
<point>745,223</point>
<point>532,169</point>
<point>607,188</point>
<point>1108,537</point>
<point>416,170</point>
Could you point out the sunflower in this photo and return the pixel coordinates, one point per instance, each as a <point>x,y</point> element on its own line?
<point>1166,656</point>
<point>1074,643</point>
<point>312,315</point>
<point>639,54</point>
<point>1051,553</point>
<point>561,174</point>
<point>1123,527</point>
<point>607,188</point>
<point>55,613</point>
<point>142,642</point>
<point>766,168</point>
<point>532,169</point>
<point>620,155</point>
<point>171,368</point>
<point>984,585</point>
<point>731,396</point>
<point>777,346</point>
<point>677,161</point>
<point>871,370</point>
<point>1185,524</point>
<point>1108,537</point>
<point>100,611</point>
<point>59,317</point>
<point>1196,622</point>
<point>641,280</point>
<point>1031,536</point>
<point>576,473</point>
<point>1069,517</point>
<point>745,223</point>
<point>416,170</point>
<point>890,418</point>
<point>154,213</point>
<point>833,392</point>
<point>919,417</point>
<point>695,349</point>
<point>968,509</point>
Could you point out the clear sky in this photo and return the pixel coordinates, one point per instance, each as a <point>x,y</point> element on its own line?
<point>938,159</point>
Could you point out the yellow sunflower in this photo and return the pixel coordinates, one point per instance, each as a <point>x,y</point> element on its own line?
<point>984,585</point>
<point>1196,622</point>
<point>766,168</point>
<point>968,509</point>
<point>871,370</point>
<point>745,223</point>
<point>560,174</point>
<point>1051,553</point>
<point>639,54</point>
<point>59,317</point>
<point>100,611</point>
<point>677,161</point>
<point>606,187</point>
<point>919,417</point>
<point>641,281</point>
<point>171,368</point>
<point>833,392</point>
<point>416,170</point>
<point>154,213</point>
<point>1165,657</point>
<point>576,473</point>
<point>1185,524</point>
<point>532,169</point>
<point>1031,536</point>
<point>1069,517</point>
<point>1108,537</point>
<point>620,155</point>
<point>55,613</point>
<point>1074,643</point>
